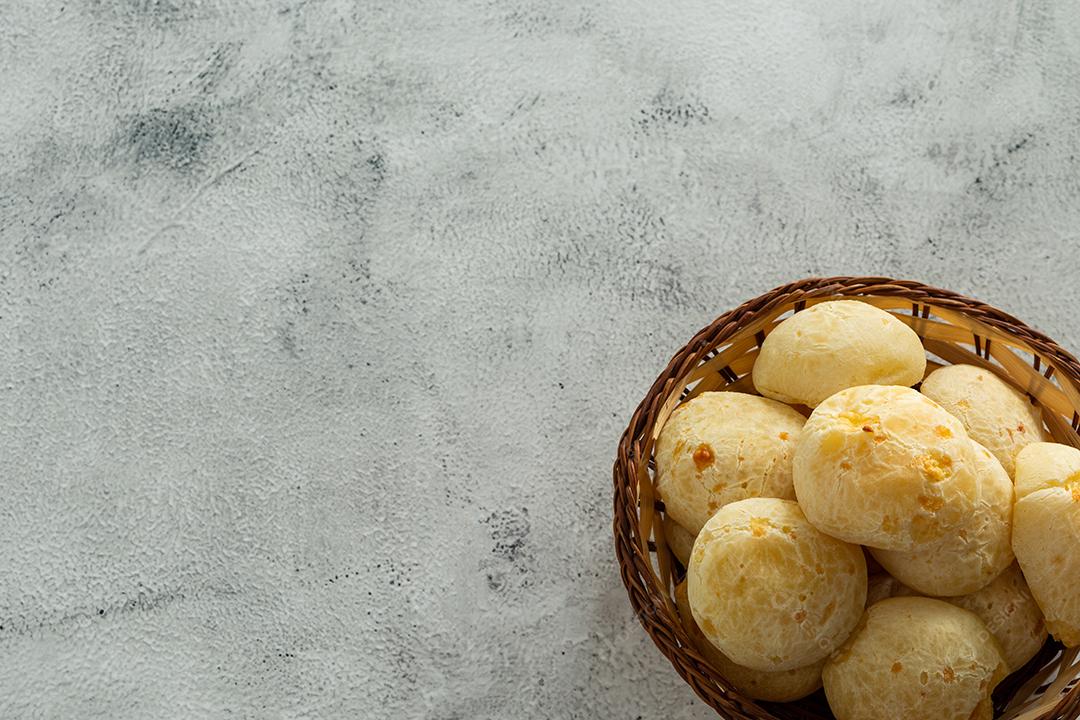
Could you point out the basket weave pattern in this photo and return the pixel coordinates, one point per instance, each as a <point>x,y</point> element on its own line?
<point>954,329</point>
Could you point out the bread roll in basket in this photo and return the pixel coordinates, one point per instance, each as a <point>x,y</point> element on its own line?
<point>954,330</point>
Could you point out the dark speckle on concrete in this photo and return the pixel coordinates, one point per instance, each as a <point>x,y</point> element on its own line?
<point>526,19</point>
<point>509,530</point>
<point>155,13</point>
<point>670,109</point>
<point>999,178</point>
<point>507,571</point>
<point>1018,145</point>
<point>908,97</point>
<point>377,163</point>
<point>173,138</point>
<point>142,601</point>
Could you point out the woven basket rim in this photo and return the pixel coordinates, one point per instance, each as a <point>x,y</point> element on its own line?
<point>652,603</point>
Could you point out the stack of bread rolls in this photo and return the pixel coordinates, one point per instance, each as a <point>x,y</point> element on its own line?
<point>970,521</point>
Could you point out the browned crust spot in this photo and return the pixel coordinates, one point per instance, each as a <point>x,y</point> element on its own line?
<point>703,456</point>
<point>935,466</point>
<point>930,504</point>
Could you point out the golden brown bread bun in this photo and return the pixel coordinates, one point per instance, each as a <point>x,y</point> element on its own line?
<point>771,591</point>
<point>1046,533</point>
<point>915,658</point>
<point>995,414</point>
<point>782,686</point>
<point>970,557</point>
<point>835,345</point>
<point>886,467</point>
<point>721,447</point>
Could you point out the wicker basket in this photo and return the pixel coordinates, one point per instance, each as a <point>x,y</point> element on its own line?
<point>954,329</point>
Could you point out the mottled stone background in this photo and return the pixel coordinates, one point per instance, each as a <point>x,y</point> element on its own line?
<point>319,321</point>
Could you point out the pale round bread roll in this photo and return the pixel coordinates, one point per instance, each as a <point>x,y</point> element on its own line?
<point>1011,614</point>
<point>971,556</point>
<point>886,467</point>
<point>721,447</point>
<point>1005,605</point>
<point>782,686</point>
<point>679,539</point>
<point>995,414</point>
<point>836,345</point>
<point>915,658</point>
<point>1046,533</point>
<point>771,591</point>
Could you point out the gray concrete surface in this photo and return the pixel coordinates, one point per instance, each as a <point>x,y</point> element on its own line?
<point>319,321</point>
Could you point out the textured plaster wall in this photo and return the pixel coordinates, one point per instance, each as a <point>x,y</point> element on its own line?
<point>319,321</point>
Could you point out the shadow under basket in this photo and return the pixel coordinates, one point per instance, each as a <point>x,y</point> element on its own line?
<point>954,329</point>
